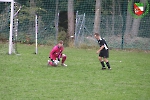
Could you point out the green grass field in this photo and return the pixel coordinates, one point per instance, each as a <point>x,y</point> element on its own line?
<point>27,76</point>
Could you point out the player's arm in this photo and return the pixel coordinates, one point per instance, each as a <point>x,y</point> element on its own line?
<point>102,46</point>
<point>98,51</point>
<point>60,55</point>
<point>51,55</point>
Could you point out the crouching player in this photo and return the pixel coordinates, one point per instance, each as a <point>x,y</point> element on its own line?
<point>56,54</point>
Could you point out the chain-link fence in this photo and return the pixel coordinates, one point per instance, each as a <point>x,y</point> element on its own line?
<point>117,25</point>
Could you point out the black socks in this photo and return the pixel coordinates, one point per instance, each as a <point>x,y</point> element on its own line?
<point>102,63</point>
<point>107,63</point>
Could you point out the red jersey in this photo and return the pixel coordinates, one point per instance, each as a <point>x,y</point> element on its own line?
<point>56,52</point>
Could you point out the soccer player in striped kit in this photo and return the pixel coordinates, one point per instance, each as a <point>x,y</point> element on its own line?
<point>55,55</point>
<point>103,51</point>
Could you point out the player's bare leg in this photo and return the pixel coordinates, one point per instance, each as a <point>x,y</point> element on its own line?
<point>102,63</point>
<point>64,57</point>
<point>107,63</point>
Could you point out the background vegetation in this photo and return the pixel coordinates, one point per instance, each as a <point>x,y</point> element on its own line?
<point>116,22</point>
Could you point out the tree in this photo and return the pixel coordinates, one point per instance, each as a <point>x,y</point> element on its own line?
<point>70,18</point>
<point>113,16</point>
<point>97,17</point>
<point>32,15</point>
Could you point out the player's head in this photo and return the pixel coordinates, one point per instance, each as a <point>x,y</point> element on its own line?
<point>96,35</point>
<point>60,43</point>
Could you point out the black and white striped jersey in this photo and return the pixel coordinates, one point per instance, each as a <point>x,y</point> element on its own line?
<point>102,42</point>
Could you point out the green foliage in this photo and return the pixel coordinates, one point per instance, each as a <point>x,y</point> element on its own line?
<point>46,10</point>
<point>49,40</point>
<point>84,6</point>
<point>26,38</point>
<point>27,76</point>
<point>3,37</point>
<point>62,35</point>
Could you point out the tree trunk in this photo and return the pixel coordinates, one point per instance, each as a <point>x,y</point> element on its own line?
<point>32,15</point>
<point>113,16</point>
<point>97,17</point>
<point>128,22</point>
<point>135,27</point>
<point>56,20</point>
<point>70,18</point>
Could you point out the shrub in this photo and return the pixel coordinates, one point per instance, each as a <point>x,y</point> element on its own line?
<point>64,37</point>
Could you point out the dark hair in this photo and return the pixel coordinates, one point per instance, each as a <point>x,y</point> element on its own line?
<point>61,42</point>
<point>97,34</point>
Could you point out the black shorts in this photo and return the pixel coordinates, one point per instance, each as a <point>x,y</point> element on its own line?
<point>104,54</point>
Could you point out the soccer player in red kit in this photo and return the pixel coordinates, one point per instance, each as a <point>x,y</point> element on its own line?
<point>56,54</point>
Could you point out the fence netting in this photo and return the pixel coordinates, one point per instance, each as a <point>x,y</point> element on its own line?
<point>117,24</point>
